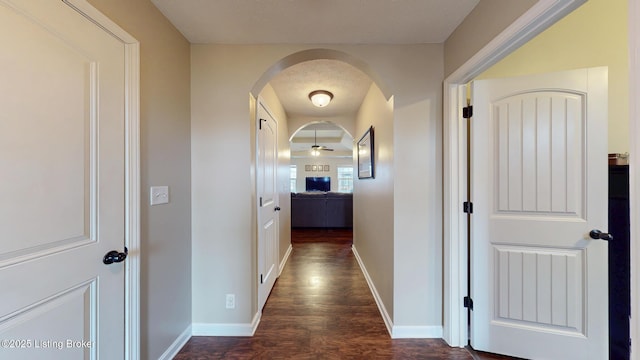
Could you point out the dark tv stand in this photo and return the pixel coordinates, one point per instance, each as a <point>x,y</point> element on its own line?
<point>321,210</point>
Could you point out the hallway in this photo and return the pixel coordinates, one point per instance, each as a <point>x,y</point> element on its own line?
<point>321,308</point>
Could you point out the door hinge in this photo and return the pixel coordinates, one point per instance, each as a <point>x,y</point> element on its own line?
<point>261,279</point>
<point>467,112</point>
<point>467,207</point>
<point>260,124</point>
<point>468,302</point>
<point>260,201</point>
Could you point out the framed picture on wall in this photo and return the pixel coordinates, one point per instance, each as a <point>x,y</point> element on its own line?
<point>320,168</point>
<point>307,168</point>
<point>326,168</point>
<point>366,156</point>
<point>314,168</point>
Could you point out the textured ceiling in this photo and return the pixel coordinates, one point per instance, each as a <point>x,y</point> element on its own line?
<point>316,21</point>
<point>348,85</point>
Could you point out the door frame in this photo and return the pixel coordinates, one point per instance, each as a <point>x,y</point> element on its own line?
<point>260,102</point>
<point>535,20</point>
<point>132,171</point>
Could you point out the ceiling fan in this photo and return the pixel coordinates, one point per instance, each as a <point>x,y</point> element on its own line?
<point>315,145</point>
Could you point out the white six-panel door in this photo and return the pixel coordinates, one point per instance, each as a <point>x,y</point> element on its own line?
<point>61,184</point>
<point>267,166</point>
<point>539,185</point>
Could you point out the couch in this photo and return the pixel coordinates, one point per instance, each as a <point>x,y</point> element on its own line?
<point>319,209</point>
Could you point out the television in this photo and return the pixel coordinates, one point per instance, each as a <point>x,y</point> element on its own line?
<point>313,183</point>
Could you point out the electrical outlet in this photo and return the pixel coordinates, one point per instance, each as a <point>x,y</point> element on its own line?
<point>231,301</point>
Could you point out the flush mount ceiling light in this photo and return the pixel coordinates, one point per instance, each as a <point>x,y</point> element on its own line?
<point>320,98</point>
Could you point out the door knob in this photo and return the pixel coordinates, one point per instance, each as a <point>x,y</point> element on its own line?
<point>277,208</point>
<point>599,235</point>
<point>114,256</point>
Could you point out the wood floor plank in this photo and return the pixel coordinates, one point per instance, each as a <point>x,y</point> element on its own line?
<point>321,308</point>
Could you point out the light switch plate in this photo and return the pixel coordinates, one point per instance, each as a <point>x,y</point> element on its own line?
<point>159,195</point>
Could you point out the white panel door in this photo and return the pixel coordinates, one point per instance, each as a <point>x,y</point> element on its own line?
<point>539,185</point>
<point>61,184</point>
<point>267,165</point>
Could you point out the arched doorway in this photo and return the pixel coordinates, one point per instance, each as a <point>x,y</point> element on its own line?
<point>284,88</point>
<point>321,149</point>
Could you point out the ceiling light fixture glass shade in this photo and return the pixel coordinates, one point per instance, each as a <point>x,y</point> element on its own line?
<point>315,152</point>
<point>320,98</point>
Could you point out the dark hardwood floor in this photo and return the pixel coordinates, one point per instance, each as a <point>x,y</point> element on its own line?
<point>309,235</point>
<point>322,308</point>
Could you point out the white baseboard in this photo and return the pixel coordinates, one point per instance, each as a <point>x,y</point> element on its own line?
<point>397,331</point>
<point>173,350</point>
<point>285,259</point>
<point>383,311</point>
<point>255,322</point>
<point>416,332</point>
<point>241,329</point>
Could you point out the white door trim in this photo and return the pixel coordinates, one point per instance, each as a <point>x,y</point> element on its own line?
<point>263,104</point>
<point>634,166</point>
<point>539,17</point>
<point>132,172</point>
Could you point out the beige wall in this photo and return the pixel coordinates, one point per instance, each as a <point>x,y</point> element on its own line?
<point>488,19</point>
<point>418,254</point>
<point>373,211</point>
<point>224,236</point>
<point>417,184</point>
<point>165,151</point>
<point>593,35</point>
<point>333,163</point>
<point>223,231</point>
